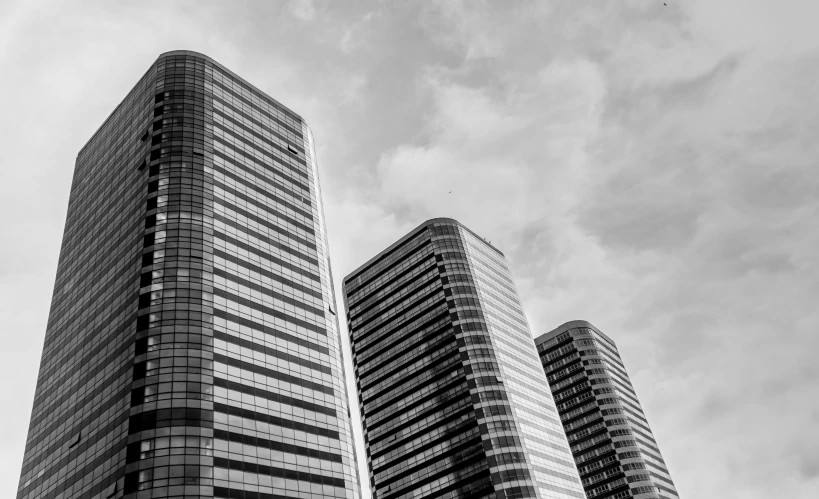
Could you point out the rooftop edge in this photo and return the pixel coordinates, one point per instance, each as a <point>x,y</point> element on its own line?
<point>407,236</point>
<point>570,325</point>
<point>223,68</point>
<point>199,55</point>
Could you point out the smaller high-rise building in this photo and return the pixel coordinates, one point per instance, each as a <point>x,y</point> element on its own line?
<point>612,444</point>
<point>452,395</point>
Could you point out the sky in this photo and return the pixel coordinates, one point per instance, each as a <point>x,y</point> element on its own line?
<point>649,168</point>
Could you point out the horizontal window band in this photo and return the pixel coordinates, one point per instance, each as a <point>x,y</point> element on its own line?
<point>253,156</point>
<point>246,494</point>
<point>257,347</point>
<point>445,435</point>
<point>269,256</point>
<point>274,211</point>
<point>455,385</point>
<point>163,418</point>
<point>267,273</point>
<point>67,437</point>
<point>422,380</point>
<point>425,373</point>
<point>266,291</point>
<point>445,439</point>
<point>385,261</point>
<point>286,126</point>
<point>419,322</point>
<point>100,344</point>
<point>100,287</point>
<point>231,436</point>
<point>226,91</point>
<point>436,343</point>
<point>286,153</point>
<point>378,270</point>
<point>269,311</point>
<point>78,405</point>
<point>303,196</point>
<point>270,331</point>
<point>245,118</point>
<point>370,328</point>
<point>372,363</point>
<point>476,483</point>
<point>260,191</point>
<point>420,285</point>
<point>270,373</point>
<point>260,469</point>
<point>79,473</point>
<point>464,455</point>
<point>395,287</point>
<point>397,309</point>
<point>265,223</point>
<point>261,237</point>
<point>275,397</point>
<point>388,351</point>
<point>273,420</point>
<point>459,402</point>
<point>255,162</point>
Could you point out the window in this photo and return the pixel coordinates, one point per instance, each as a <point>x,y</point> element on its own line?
<point>502,426</point>
<point>76,442</point>
<point>144,478</point>
<point>497,410</point>
<point>514,474</point>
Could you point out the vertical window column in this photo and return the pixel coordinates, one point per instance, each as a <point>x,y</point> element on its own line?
<point>170,448</point>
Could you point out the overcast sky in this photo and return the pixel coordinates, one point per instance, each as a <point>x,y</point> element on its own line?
<point>651,169</point>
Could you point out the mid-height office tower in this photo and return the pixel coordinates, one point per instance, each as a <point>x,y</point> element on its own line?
<point>452,394</point>
<point>613,446</point>
<point>192,348</point>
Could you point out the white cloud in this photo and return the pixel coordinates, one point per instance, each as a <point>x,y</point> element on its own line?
<point>650,169</point>
<point>349,40</point>
<point>303,9</point>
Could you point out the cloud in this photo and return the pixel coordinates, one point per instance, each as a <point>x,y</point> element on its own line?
<point>348,42</point>
<point>498,145</point>
<point>650,169</point>
<point>303,9</point>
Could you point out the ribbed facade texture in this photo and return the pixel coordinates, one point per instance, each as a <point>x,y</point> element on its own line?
<point>613,446</point>
<point>192,349</point>
<point>450,388</point>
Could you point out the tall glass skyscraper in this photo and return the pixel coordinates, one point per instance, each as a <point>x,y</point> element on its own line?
<point>451,391</point>
<point>192,347</point>
<point>613,446</point>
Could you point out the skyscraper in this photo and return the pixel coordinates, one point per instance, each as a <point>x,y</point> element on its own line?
<point>453,397</point>
<point>613,446</point>
<point>192,347</point>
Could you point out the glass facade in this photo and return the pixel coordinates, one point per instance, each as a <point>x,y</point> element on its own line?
<point>449,384</point>
<point>192,348</point>
<point>613,446</point>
